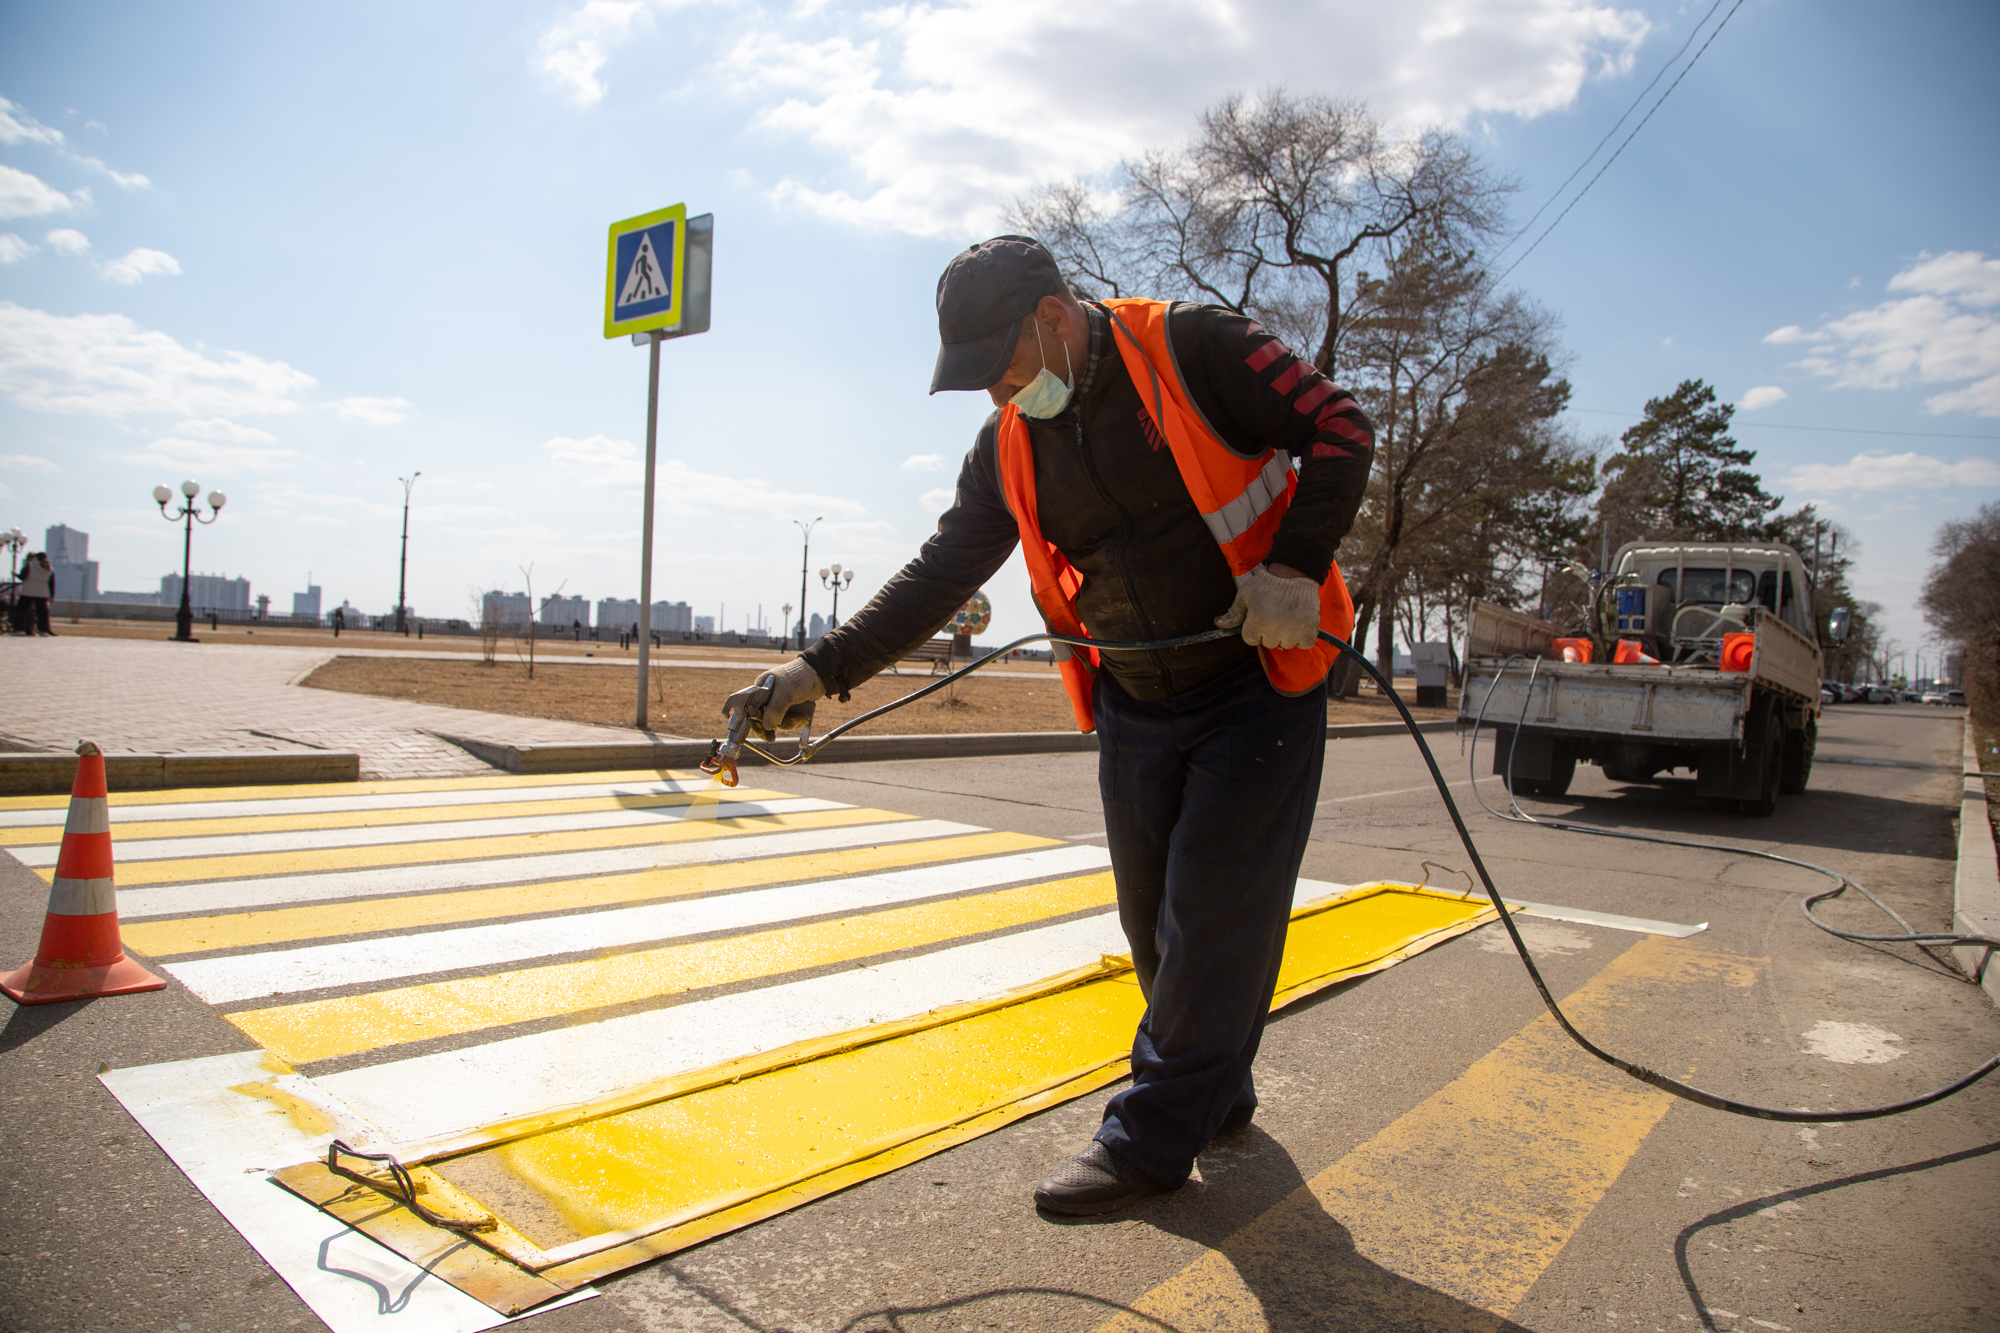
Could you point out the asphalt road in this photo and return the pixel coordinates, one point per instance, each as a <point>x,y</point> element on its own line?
<point>1426,1154</point>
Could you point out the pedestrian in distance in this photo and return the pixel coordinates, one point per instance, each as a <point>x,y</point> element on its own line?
<point>1166,469</point>
<point>38,587</point>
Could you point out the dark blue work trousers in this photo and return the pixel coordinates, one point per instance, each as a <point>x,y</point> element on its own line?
<point>1208,802</point>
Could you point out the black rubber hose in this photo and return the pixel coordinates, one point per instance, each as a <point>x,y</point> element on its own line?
<point>1648,1076</point>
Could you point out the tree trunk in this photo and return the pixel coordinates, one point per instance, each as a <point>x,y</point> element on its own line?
<point>1385,632</point>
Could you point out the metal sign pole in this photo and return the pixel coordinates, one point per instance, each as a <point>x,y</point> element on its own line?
<point>646,521</point>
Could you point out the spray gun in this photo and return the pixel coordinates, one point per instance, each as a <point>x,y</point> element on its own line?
<point>723,755</point>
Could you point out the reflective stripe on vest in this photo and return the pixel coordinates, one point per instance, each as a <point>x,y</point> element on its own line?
<point>1265,489</point>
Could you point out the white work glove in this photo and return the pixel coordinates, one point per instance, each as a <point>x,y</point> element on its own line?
<point>1274,611</point>
<point>786,703</point>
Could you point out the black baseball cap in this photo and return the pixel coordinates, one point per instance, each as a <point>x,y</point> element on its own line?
<point>982,298</point>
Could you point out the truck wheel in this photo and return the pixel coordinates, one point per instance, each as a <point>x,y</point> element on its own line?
<point>1799,746</point>
<point>1771,752</point>
<point>1561,772</point>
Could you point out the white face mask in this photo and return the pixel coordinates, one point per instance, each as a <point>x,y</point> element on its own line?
<point>1045,395</point>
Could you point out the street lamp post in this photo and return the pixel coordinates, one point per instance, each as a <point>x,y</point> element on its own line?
<point>13,539</point>
<point>836,578</point>
<point>785,639</point>
<point>805,552</point>
<point>190,514</point>
<point>403,566</point>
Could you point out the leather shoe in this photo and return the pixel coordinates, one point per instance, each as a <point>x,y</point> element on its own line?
<point>1094,1181</point>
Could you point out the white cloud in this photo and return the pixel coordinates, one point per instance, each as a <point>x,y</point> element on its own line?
<point>25,196</point>
<point>932,118</point>
<point>924,463</point>
<point>600,462</point>
<point>220,428</point>
<point>68,241</point>
<point>1948,332</point>
<point>372,411</point>
<point>106,365</point>
<point>575,48</point>
<point>1894,472</point>
<point>26,463</point>
<point>937,501</point>
<point>182,455</point>
<point>135,265</point>
<point>17,126</point>
<point>1764,395</point>
<point>128,180</point>
<point>13,248</point>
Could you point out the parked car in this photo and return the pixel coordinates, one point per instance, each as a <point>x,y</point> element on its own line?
<point>1829,693</point>
<point>1934,697</point>
<point>1874,693</point>
<point>1955,697</point>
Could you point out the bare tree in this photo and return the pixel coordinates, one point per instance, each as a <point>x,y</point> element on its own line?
<point>1961,599</point>
<point>1275,209</point>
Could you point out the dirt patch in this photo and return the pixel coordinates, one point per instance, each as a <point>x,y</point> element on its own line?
<point>687,701</point>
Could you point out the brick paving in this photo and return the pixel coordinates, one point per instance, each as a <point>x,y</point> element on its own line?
<point>165,698</point>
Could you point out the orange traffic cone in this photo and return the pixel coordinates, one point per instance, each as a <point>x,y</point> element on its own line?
<point>80,957</point>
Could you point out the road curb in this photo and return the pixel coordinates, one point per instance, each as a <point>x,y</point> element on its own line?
<point>1976,889</point>
<point>53,774</point>
<point>604,756</point>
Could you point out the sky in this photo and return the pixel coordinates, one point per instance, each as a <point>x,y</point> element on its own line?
<point>297,253</point>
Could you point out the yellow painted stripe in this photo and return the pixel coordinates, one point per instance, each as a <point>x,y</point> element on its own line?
<point>427,814</point>
<point>323,1029</point>
<point>198,868</point>
<point>163,939</point>
<point>728,1146</point>
<point>1447,1217</point>
<point>373,787</point>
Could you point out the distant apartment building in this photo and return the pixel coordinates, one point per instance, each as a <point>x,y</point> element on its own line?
<point>69,558</point>
<point>207,592</point>
<point>563,612</point>
<point>704,624</point>
<point>816,627</point>
<point>305,605</point>
<point>622,613</point>
<point>504,608</point>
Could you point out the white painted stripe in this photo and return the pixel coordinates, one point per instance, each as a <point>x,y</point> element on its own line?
<point>577,1065</point>
<point>82,897</point>
<point>1585,917</point>
<point>309,840</point>
<point>399,800</point>
<point>225,1141</point>
<point>289,971</point>
<point>87,814</point>
<point>231,895</point>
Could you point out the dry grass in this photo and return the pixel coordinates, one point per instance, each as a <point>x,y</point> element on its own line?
<point>687,701</point>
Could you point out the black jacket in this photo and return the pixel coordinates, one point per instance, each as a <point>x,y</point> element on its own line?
<point>1111,498</point>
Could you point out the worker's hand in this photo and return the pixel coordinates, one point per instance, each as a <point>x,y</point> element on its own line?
<point>785,703</point>
<point>1275,610</point>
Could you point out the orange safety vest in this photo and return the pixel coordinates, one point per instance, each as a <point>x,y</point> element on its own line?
<point>1242,501</point>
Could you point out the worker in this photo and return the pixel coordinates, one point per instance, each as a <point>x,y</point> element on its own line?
<point>1142,455</point>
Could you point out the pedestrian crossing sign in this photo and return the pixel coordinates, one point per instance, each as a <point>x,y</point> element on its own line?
<point>645,268</point>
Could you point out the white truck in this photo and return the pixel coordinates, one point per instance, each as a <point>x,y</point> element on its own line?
<point>1690,656</point>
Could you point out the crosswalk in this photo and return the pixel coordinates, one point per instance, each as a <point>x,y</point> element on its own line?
<point>637,967</point>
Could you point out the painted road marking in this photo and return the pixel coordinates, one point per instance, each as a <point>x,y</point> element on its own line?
<point>141,831</point>
<point>495,784</point>
<point>324,1029</point>
<point>367,916</point>
<point>385,881</point>
<point>314,967</point>
<point>391,854</point>
<point>1456,1209</point>
<point>398,800</point>
<point>381,834</point>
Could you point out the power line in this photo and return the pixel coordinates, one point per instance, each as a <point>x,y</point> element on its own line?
<point>1628,140</point>
<point>1527,226</point>
<point>1826,430</point>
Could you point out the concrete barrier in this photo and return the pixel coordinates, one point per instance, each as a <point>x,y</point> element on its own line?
<point>611,755</point>
<point>1976,891</point>
<point>52,774</point>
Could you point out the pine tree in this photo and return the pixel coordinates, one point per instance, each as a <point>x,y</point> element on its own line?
<point>1682,476</point>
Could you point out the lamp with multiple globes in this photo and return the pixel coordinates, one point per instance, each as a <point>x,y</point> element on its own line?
<point>190,513</point>
<point>836,578</point>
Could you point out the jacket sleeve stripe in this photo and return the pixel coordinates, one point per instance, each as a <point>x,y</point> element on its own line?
<point>1314,396</point>
<point>1265,355</point>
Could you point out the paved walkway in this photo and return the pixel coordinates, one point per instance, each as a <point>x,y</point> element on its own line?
<point>162,697</point>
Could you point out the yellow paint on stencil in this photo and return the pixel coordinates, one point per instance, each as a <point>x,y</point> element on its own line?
<point>1447,1217</point>
<point>412,815</point>
<point>308,1119</point>
<point>361,916</point>
<point>324,1029</point>
<point>373,787</point>
<point>134,874</point>
<point>691,1156</point>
